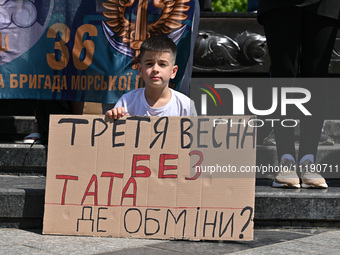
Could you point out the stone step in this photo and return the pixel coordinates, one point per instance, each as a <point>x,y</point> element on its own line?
<point>21,201</point>
<point>22,204</point>
<point>27,159</point>
<point>332,128</point>
<point>297,207</point>
<point>15,128</point>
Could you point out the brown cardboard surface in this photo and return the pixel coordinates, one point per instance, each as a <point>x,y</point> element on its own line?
<point>92,108</point>
<point>138,177</point>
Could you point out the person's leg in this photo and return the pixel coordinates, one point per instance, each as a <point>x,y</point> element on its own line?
<point>43,110</point>
<point>319,35</point>
<point>318,39</point>
<point>282,28</point>
<point>283,36</point>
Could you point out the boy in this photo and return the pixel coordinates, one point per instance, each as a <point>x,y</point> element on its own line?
<point>156,67</point>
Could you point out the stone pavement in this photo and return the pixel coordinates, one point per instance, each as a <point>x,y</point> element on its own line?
<point>267,241</point>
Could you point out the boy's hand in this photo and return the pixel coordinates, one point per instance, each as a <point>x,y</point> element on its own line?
<point>116,113</point>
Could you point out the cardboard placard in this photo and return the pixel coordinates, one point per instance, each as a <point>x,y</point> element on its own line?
<point>92,108</point>
<point>151,177</point>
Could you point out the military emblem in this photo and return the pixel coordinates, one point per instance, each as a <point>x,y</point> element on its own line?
<point>22,23</point>
<point>133,30</point>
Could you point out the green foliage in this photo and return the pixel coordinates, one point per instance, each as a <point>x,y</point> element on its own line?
<point>229,5</point>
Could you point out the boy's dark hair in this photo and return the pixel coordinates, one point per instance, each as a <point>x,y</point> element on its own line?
<point>159,43</point>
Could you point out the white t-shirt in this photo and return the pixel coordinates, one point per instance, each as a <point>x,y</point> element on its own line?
<point>135,103</point>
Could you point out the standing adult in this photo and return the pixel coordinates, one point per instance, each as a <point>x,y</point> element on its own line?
<point>300,37</point>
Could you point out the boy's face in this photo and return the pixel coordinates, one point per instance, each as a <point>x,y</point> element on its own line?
<point>157,68</point>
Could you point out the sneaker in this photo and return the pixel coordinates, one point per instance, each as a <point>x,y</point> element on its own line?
<point>270,139</point>
<point>287,177</point>
<point>311,180</point>
<point>326,139</point>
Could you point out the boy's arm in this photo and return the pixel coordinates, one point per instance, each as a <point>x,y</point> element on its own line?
<point>117,112</point>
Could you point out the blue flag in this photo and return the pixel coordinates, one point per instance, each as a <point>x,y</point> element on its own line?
<point>84,50</point>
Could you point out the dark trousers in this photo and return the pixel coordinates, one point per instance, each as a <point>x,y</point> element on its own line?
<point>44,108</point>
<point>300,43</point>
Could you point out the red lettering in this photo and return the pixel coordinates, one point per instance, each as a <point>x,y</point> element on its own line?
<point>111,175</point>
<point>87,193</point>
<point>124,195</point>
<point>198,173</point>
<point>135,168</point>
<point>66,177</point>
<point>163,167</point>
